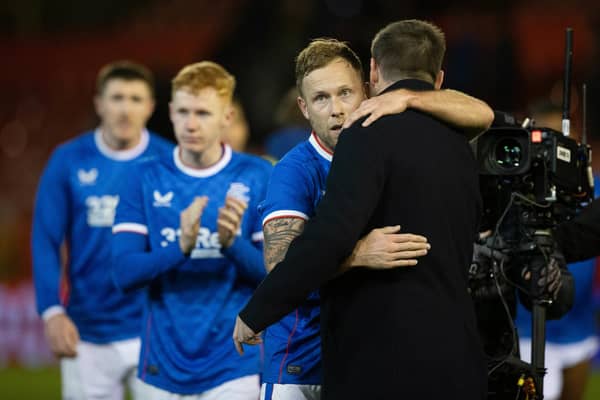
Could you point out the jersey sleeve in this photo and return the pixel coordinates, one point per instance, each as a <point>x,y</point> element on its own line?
<point>288,193</point>
<point>130,215</point>
<point>50,221</point>
<point>134,263</point>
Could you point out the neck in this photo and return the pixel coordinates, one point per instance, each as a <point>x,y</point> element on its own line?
<point>380,86</point>
<point>119,144</point>
<point>204,159</point>
<point>383,84</point>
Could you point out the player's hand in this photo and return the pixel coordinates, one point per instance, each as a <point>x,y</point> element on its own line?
<point>393,102</point>
<point>62,335</point>
<point>243,334</point>
<point>385,248</point>
<point>230,220</point>
<point>189,224</point>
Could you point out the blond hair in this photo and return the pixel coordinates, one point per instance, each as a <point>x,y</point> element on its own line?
<point>319,53</point>
<point>195,77</point>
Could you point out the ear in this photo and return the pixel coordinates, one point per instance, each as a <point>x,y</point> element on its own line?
<point>171,111</point>
<point>302,106</point>
<point>228,115</point>
<point>151,107</point>
<point>373,73</point>
<point>367,88</point>
<point>98,105</point>
<point>439,79</point>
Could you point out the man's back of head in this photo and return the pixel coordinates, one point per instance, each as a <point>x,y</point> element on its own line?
<point>409,49</point>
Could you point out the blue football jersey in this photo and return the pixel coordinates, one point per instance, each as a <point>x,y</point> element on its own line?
<point>76,201</point>
<point>192,301</point>
<point>579,323</point>
<point>293,345</point>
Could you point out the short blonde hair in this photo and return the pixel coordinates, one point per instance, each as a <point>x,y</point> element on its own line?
<point>195,77</point>
<point>320,53</point>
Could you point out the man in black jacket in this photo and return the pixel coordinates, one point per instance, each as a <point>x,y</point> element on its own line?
<point>403,333</point>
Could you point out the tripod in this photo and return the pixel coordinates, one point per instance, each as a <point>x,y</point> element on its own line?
<point>493,284</point>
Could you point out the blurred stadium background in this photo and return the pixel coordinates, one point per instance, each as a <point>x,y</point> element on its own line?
<point>508,53</point>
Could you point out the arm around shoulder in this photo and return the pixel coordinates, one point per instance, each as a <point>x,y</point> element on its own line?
<point>469,114</point>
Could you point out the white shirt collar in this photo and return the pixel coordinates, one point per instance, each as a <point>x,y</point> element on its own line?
<point>121,155</point>
<point>203,172</point>
<point>323,152</point>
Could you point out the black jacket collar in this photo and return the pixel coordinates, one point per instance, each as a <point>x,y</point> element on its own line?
<point>412,84</point>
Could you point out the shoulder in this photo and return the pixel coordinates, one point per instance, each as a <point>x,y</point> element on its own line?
<point>298,154</point>
<point>301,158</point>
<point>357,135</point>
<point>410,118</point>
<point>76,144</point>
<point>75,148</point>
<point>256,164</point>
<point>158,148</point>
<point>143,176</point>
<point>405,126</point>
<point>296,167</point>
<point>299,171</point>
<point>160,142</point>
<point>65,158</point>
<point>151,164</point>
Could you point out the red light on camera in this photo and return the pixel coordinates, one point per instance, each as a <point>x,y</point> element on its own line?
<point>536,136</point>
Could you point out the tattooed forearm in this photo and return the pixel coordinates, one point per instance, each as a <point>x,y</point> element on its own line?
<point>279,233</point>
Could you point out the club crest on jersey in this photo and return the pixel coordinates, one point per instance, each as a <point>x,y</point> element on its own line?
<point>162,200</point>
<point>239,191</point>
<point>87,177</point>
<point>101,210</point>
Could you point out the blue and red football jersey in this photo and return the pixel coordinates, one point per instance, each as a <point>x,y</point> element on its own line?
<point>191,301</point>
<point>75,203</point>
<point>293,345</point>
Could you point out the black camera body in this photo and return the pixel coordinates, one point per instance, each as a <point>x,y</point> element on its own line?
<point>539,163</point>
<point>531,180</point>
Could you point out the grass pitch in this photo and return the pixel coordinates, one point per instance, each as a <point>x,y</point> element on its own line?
<point>44,383</point>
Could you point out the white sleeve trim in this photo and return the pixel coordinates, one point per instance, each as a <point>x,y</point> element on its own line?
<point>52,311</point>
<point>258,236</point>
<point>285,214</point>
<point>130,227</point>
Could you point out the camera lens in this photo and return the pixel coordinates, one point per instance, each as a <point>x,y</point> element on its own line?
<point>508,153</point>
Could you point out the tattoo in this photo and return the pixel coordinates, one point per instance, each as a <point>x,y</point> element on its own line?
<point>279,233</point>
